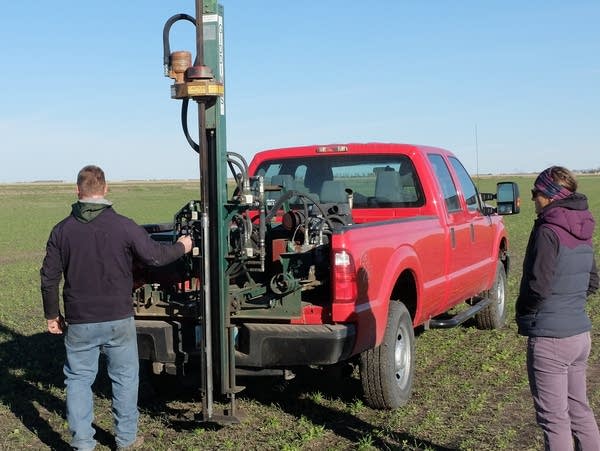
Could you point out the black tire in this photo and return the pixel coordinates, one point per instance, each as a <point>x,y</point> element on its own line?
<point>387,371</point>
<point>494,315</point>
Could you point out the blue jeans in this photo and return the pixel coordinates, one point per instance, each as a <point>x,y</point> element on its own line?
<point>83,344</point>
<point>557,378</point>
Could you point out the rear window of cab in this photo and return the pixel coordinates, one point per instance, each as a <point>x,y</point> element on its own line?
<point>384,181</point>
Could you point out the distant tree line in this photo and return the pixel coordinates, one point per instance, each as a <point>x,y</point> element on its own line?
<point>590,171</point>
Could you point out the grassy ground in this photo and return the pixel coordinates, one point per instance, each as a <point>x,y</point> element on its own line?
<point>470,389</point>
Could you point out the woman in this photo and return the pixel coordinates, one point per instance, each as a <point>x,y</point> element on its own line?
<point>559,273</point>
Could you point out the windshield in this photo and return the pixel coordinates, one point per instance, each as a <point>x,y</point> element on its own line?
<point>376,181</point>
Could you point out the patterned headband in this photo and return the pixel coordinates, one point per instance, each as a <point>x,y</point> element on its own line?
<point>545,184</point>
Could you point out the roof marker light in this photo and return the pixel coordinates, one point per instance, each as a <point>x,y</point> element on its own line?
<point>331,149</point>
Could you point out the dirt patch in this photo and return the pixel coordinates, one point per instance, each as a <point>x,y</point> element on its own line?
<point>21,257</point>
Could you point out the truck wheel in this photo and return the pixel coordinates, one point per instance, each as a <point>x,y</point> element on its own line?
<point>387,371</point>
<point>494,315</point>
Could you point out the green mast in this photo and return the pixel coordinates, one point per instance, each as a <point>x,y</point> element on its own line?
<point>203,82</point>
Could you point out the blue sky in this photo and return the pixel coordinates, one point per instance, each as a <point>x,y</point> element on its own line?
<point>82,82</point>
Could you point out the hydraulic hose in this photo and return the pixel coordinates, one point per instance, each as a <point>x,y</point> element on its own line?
<point>167,62</point>
<point>243,171</point>
<point>288,195</point>
<point>184,125</point>
<point>166,31</point>
<point>241,158</point>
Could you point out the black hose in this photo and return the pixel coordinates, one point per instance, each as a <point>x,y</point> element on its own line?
<point>241,158</point>
<point>243,171</point>
<point>275,208</point>
<point>237,180</point>
<point>167,60</point>
<point>184,125</point>
<point>166,31</point>
<point>337,218</point>
<point>273,211</point>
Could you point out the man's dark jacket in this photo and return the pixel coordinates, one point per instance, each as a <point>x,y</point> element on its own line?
<point>559,271</point>
<point>94,248</point>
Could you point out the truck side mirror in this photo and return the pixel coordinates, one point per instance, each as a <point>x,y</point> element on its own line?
<point>508,200</point>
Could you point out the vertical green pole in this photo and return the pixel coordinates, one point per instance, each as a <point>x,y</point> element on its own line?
<point>217,192</point>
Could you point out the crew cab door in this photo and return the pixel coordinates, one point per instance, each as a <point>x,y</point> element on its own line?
<point>481,253</point>
<point>463,272</point>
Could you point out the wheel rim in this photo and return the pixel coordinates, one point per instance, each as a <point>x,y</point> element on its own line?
<point>500,295</point>
<point>402,356</point>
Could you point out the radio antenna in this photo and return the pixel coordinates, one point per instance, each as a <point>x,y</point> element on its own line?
<point>476,157</point>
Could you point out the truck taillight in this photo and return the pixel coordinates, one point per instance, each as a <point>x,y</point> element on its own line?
<point>344,277</point>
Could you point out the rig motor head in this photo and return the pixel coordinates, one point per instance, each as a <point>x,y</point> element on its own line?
<point>179,61</point>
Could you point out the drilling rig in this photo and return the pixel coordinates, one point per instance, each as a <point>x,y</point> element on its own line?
<point>195,303</point>
<point>244,285</point>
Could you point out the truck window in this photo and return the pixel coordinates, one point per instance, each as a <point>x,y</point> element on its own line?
<point>377,181</point>
<point>442,173</point>
<point>467,185</point>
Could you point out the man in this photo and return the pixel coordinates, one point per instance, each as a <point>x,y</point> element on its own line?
<point>94,248</point>
<point>559,273</point>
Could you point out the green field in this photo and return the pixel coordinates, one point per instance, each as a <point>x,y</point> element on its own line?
<point>470,389</point>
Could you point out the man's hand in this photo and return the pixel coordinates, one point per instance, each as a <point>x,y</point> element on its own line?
<point>186,240</point>
<point>57,325</point>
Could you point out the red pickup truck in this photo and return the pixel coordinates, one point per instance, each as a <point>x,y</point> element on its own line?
<point>342,251</point>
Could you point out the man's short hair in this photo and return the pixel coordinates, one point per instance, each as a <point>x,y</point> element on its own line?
<point>91,181</point>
